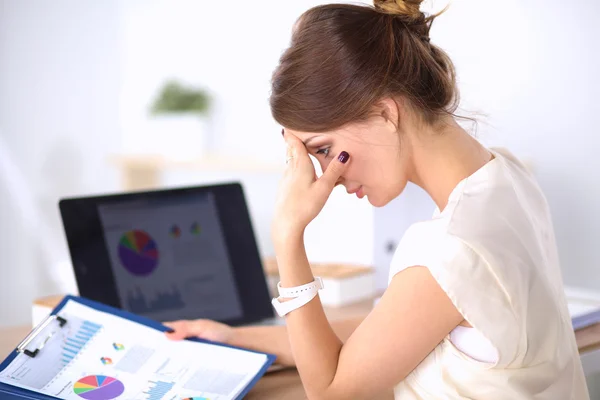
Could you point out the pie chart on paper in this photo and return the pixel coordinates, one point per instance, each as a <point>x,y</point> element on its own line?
<point>138,252</point>
<point>195,398</point>
<point>98,387</point>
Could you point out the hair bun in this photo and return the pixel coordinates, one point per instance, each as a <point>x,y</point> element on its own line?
<point>410,9</point>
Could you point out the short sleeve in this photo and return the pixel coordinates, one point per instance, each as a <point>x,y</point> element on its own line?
<point>468,281</point>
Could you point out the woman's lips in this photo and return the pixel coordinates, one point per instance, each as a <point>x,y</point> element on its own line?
<point>359,193</point>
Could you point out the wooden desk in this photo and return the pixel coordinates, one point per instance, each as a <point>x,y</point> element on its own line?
<point>286,384</point>
<point>10,338</point>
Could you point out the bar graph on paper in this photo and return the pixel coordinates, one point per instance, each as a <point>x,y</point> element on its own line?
<point>158,389</point>
<point>62,348</point>
<point>73,343</point>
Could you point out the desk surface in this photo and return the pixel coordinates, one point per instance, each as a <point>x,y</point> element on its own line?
<point>286,384</point>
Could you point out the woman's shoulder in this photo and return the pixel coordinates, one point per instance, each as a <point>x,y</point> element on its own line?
<point>500,202</point>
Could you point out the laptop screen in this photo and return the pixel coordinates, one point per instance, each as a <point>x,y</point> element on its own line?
<point>168,255</point>
<point>182,253</point>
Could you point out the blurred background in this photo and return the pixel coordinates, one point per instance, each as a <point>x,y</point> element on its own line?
<point>78,79</point>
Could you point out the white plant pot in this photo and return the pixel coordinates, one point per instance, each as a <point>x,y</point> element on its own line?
<point>178,137</point>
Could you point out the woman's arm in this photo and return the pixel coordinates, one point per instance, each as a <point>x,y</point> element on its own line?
<point>274,339</point>
<point>268,339</point>
<point>411,319</point>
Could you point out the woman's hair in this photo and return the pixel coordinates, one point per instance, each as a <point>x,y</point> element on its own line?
<point>344,59</point>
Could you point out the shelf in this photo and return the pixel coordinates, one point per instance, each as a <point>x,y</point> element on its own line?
<point>209,162</point>
<point>143,172</point>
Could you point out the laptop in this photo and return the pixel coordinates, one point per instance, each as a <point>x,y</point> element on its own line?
<point>179,253</point>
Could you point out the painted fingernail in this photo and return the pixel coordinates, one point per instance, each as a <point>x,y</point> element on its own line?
<point>170,331</point>
<point>344,156</point>
<point>282,132</point>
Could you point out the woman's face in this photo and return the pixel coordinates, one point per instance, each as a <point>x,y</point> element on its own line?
<point>377,167</point>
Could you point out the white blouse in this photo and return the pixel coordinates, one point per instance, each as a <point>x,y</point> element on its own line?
<point>492,250</point>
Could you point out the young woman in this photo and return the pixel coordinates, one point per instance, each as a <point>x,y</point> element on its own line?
<point>475,307</point>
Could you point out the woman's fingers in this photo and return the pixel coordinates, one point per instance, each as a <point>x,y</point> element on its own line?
<point>201,328</point>
<point>184,329</point>
<point>297,156</point>
<point>178,330</point>
<point>295,147</point>
<point>331,176</point>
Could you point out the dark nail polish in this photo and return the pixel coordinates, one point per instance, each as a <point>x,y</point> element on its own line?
<point>170,331</point>
<point>282,132</point>
<point>344,156</point>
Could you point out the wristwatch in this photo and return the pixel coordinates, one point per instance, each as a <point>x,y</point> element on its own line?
<point>300,295</point>
<point>298,290</point>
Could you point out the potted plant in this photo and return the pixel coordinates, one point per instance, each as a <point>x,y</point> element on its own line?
<point>179,119</point>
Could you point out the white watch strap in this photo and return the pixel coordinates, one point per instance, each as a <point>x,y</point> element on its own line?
<point>296,291</point>
<point>284,308</point>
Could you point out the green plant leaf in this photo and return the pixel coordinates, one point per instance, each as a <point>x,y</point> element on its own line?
<point>174,98</point>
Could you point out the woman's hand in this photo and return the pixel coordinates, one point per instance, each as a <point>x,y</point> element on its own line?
<point>301,194</point>
<point>201,328</point>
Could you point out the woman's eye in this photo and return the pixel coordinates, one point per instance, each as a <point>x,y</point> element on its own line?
<point>323,151</point>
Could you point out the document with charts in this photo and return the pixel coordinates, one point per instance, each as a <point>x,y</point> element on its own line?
<point>95,355</point>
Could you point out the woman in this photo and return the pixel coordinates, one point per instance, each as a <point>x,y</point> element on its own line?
<point>475,307</point>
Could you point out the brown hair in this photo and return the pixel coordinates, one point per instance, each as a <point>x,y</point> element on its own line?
<point>343,59</point>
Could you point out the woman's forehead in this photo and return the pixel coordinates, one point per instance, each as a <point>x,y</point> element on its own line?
<point>306,136</point>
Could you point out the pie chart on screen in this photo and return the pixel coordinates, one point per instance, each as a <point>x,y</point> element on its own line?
<point>138,253</point>
<point>98,387</point>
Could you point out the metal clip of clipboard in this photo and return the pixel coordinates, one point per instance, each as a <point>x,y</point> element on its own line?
<point>21,348</point>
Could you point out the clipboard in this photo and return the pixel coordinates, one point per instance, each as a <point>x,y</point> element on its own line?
<point>34,343</point>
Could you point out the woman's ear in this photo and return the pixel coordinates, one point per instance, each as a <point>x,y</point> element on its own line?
<point>389,109</point>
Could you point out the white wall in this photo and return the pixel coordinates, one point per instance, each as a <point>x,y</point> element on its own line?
<point>533,67</point>
<point>59,87</point>
<point>231,49</point>
<point>76,78</point>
